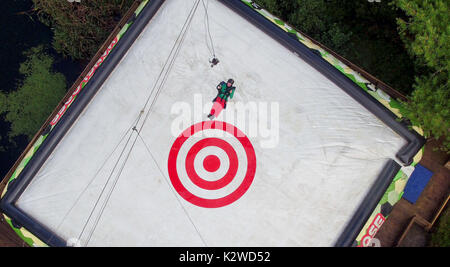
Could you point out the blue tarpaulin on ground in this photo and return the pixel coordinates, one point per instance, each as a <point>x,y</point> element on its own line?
<point>416,183</point>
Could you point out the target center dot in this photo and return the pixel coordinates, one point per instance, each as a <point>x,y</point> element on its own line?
<point>211,163</point>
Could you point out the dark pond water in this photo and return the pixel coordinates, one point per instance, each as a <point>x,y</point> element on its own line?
<point>19,31</point>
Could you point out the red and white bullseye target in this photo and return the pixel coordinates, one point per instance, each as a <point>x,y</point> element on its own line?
<point>212,164</point>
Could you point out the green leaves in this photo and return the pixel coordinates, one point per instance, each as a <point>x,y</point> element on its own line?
<point>426,34</point>
<point>363,32</point>
<point>80,28</point>
<point>440,236</point>
<point>2,102</point>
<point>29,106</point>
<point>430,107</point>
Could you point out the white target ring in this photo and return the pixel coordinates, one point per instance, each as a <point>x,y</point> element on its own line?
<point>211,163</point>
<point>212,171</point>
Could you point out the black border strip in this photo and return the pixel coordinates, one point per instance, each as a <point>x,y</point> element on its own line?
<point>15,189</point>
<point>414,141</point>
<point>368,205</point>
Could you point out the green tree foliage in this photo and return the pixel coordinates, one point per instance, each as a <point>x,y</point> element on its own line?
<point>363,32</point>
<point>440,236</point>
<point>2,100</point>
<point>29,106</point>
<point>313,17</point>
<point>80,28</point>
<point>366,33</point>
<point>2,104</point>
<point>426,34</point>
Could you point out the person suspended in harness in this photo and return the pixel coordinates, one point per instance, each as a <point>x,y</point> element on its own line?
<point>225,90</point>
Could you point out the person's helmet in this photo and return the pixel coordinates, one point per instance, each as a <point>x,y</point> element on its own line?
<point>230,81</point>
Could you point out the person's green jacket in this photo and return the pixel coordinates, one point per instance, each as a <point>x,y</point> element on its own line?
<point>224,92</point>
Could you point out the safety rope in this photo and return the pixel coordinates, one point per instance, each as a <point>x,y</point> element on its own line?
<point>175,51</point>
<point>171,189</point>
<point>89,184</point>
<point>209,43</point>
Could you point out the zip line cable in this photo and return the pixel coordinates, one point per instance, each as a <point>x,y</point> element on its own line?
<point>171,189</point>
<point>182,34</point>
<point>209,43</point>
<point>89,184</point>
<point>177,49</point>
<point>103,189</point>
<point>170,67</point>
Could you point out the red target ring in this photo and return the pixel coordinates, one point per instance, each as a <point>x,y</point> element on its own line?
<point>211,163</point>
<point>228,177</point>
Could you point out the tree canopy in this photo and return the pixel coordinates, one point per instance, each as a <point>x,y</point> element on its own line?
<point>404,43</point>
<point>38,94</point>
<point>361,31</point>
<point>426,34</point>
<point>80,27</point>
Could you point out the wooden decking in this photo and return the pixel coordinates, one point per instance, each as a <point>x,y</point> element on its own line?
<point>8,238</point>
<point>425,211</point>
<point>392,230</point>
<point>404,215</point>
